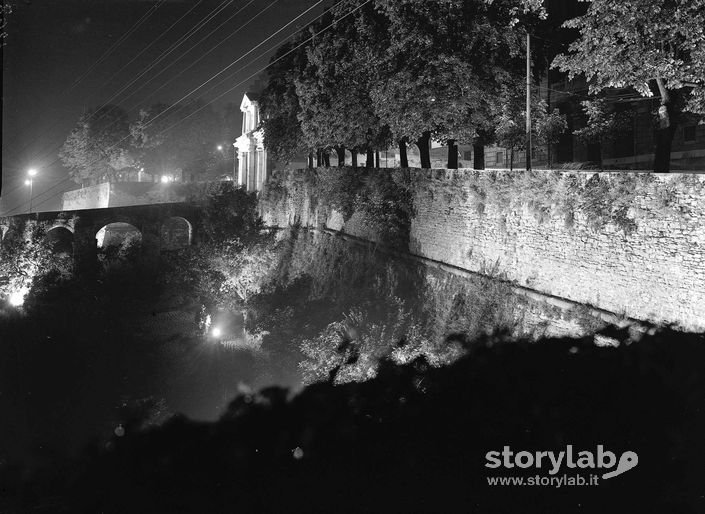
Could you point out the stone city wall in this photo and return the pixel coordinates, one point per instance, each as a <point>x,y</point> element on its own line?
<point>630,243</point>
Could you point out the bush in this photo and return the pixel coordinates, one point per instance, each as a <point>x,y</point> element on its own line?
<point>415,438</point>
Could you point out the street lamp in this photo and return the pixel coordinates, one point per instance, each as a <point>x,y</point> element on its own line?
<point>220,148</point>
<point>30,182</point>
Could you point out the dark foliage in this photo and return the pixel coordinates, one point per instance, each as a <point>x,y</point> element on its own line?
<point>414,439</point>
<point>229,213</point>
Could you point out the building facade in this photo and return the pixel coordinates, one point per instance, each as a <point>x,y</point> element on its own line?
<point>254,166</point>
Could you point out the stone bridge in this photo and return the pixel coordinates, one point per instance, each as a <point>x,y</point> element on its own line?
<point>161,227</point>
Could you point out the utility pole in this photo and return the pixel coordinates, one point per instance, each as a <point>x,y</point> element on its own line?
<point>528,102</point>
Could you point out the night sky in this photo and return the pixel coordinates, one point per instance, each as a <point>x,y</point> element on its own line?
<point>58,61</point>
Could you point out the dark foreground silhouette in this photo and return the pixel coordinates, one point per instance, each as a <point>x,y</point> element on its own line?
<point>414,439</point>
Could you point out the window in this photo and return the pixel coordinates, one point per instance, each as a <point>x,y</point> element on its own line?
<point>500,157</point>
<point>467,155</point>
<point>689,134</point>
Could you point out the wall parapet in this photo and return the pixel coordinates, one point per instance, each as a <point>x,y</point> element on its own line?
<point>627,243</point>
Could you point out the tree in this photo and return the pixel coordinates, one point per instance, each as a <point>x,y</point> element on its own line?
<point>649,45</point>
<point>511,125</point>
<point>99,146</point>
<point>447,64</point>
<point>548,126</point>
<point>334,91</point>
<point>178,141</point>
<point>279,102</point>
<point>229,214</point>
<point>602,125</point>
<point>28,264</point>
<point>511,134</point>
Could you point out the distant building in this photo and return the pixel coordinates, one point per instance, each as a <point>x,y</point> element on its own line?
<point>633,148</point>
<point>254,167</point>
<point>254,164</point>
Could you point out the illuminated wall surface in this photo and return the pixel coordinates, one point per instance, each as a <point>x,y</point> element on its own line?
<point>632,244</point>
<point>119,194</point>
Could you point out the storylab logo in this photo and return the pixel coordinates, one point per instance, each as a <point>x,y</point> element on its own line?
<point>597,464</point>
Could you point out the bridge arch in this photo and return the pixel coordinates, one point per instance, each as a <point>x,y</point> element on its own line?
<point>60,239</point>
<point>117,233</point>
<point>176,232</point>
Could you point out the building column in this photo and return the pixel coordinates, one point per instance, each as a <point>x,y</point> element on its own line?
<point>252,169</point>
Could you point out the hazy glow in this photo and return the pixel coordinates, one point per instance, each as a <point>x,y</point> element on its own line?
<point>216,332</point>
<point>165,179</point>
<point>220,148</point>
<point>31,172</point>
<point>17,298</point>
<point>100,237</point>
<point>27,182</point>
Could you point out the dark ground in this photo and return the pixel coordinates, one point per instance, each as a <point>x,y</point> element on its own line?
<point>414,440</point>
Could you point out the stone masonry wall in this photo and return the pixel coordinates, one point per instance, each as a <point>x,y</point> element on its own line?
<point>632,244</point>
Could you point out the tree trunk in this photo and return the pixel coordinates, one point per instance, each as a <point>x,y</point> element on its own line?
<point>665,132</point>
<point>319,158</point>
<point>452,155</point>
<point>370,158</point>
<point>599,150</point>
<point>310,160</point>
<point>377,159</point>
<point>550,163</point>
<point>353,152</point>
<point>326,158</point>
<point>511,159</point>
<point>424,144</point>
<point>479,153</point>
<point>403,158</point>
<point>340,150</point>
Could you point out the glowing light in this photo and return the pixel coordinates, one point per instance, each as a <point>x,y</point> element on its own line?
<point>220,148</point>
<point>16,298</point>
<point>216,332</point>
<point>31,172</point>
<point>27,182</point>
<point>165,179</point>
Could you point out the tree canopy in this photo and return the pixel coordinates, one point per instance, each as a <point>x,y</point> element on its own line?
<point>632,43</point>
<point>648,45</point>
<point>179,140</point>
<point>99,145</point>
<point>408,70</point>
<point>279,102</point>
<point>334,90</point>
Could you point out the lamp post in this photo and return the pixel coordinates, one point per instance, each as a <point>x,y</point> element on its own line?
<point>30,182</point>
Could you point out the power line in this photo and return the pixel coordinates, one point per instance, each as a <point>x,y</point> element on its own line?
<point>198,43</point>
<point>118,42</point>
<point>229,90</point>
<point>173,47</point>
<point>237,60</point>
<point>152,43</point>
<point>265,67</point>
<point>154,62</point>
<point>111,49</point>
<point>194,29</point>
<point>250,51</point>
<point>203,55</point>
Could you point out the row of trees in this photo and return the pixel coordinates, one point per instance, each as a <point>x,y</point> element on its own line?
<point>397,72</point>
<point>180,140</point>
<point>372,74</point>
